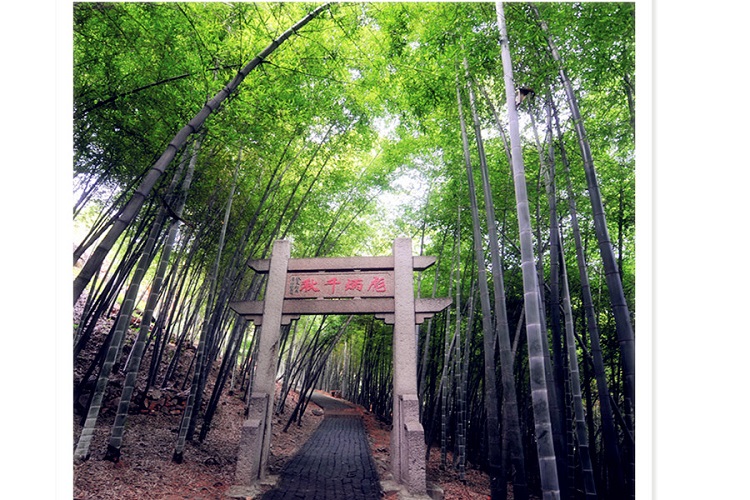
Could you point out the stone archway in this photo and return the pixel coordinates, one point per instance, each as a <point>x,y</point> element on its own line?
<point>383,286</point>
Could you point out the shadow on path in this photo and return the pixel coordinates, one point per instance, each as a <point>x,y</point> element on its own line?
<point>335,463</point>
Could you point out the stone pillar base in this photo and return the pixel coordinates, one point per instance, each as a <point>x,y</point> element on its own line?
<point>416,478</point>
<point>249,467</point>
<point>413,467</point>
<point>248,456</point>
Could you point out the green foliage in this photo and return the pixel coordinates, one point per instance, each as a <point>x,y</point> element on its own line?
<point>347,136</point>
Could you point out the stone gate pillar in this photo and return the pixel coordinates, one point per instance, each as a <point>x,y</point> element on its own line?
<point>252,460</point>
<point>407,435</point>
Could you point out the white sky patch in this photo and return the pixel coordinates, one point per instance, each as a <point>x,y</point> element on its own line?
<point>317,134</point>
<point>386,126</point>
<point>409,185</point>
<point>490,133</point>
<point>408,191</point>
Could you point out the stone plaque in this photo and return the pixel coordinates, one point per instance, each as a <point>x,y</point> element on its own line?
<point>332,285</point>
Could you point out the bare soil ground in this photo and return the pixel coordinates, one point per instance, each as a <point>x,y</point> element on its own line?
<point>146,469</point>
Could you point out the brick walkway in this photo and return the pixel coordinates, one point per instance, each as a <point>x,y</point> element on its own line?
<point>334,464</point>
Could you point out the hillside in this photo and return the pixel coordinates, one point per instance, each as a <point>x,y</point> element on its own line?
<point>146,469</point>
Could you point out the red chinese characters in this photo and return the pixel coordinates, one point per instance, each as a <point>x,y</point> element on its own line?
<point>353,284</point>
<point>332,283</point>
<point>340,285</point>
<point>309,285</point>
<point>377,284</point>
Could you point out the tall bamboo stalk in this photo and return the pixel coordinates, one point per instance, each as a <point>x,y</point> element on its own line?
<point>620,308</point>
<point>133,206</point>
<point>609,432</point>
<point>587,469</point>
<point>510,425</point>
<point>555,371</point>
<point>542,423</point>
<point>189,415</point>
<point>134,363</point>
<point>444,388</point>
<point>494,447</point>
<point>120,329</point>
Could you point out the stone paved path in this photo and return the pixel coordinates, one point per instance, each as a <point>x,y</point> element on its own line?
<point>334,464</point>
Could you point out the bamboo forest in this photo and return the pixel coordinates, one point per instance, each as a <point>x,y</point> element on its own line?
<point>498,138</point>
